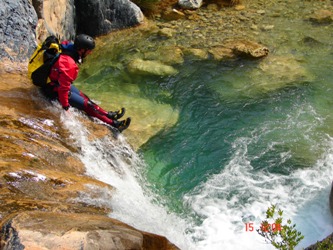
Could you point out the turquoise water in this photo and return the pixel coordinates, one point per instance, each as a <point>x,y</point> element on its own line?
<point>249,134</point>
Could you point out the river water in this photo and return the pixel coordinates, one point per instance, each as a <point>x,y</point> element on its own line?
<point>249,134</point>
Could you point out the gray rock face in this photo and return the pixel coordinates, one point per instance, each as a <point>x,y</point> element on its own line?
<point>18,22</point>
<point>19,19</point>
<point>100,17</point>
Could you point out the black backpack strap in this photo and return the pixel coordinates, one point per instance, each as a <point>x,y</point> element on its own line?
<point>72,53</point>
<point>32,59</point>
<point>46,44</point>
<point>49,40</point>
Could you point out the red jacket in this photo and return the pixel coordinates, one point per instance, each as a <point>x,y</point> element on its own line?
<point>64,71</point>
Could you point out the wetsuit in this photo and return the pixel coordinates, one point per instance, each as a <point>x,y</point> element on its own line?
<point>62,75</point>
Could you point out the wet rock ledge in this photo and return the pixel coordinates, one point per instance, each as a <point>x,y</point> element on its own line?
<point>47,201</point>
<point>43,185</point>
<point>49,230</point>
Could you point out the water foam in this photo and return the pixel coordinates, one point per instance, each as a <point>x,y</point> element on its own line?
<point>115,163</point>
<point>240,195</point>
<point>237,195</point>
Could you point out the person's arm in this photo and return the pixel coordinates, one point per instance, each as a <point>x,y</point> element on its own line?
<point>68,71</point>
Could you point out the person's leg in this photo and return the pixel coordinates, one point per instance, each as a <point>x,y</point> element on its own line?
<point>80,101</point>
<point>78,94</point>
<point>94,110</point>
<point>113,115</point>
<point>75,99</point>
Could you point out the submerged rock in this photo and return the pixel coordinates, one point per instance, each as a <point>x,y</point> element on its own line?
<point>274,73</point>
<point>280,71</point>
<point>199,54</point>
<point>169,55</point>
<point>310,41</point>
<point>321,17</point>
<point>220,53</point>
<point>150,67</point>
<point>166,32</point>
<point>149,117</point>
<point>247,48</point>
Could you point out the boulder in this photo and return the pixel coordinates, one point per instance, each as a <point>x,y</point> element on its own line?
<point>221,53</point>
<point>198,54</point>
<point>169,55</point>
<point>287,68</point>
<point>38,168</point>
<point>246,48</point>
<point>150,67</point>
<point>321,17</point>
<point>190,4</point>
<point>277,72</point>
<point>238,48</point>
<point>24,22</point>
<point>166,32</point>
<point>101,17</point>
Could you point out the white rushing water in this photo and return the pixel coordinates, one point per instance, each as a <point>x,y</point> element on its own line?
<point>227,201</point>
<point>303,196</point>
<point>115,163</point>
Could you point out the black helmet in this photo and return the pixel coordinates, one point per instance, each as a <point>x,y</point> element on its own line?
<point>84,42</point>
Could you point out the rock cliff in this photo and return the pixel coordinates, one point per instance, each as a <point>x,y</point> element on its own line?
<point>17,34</point>
<point>40,177</point>
<point>42,180</point>
<point>23,22</point>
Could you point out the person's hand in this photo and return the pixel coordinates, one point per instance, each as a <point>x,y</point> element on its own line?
<point>67,111</point>
<point>66,108</point>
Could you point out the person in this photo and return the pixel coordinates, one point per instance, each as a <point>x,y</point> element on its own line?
<point>63,74</point>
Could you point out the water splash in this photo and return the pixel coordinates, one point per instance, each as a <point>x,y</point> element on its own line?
<point>239,195</point>
<point>222,205</point>
<point>114,162</point>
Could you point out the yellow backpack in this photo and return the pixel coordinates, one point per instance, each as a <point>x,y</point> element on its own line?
<point>41,61</point>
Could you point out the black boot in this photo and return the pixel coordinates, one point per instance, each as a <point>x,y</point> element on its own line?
<point>121,125</point>
<point>115,115</point>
